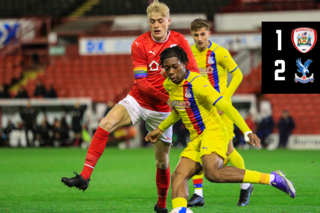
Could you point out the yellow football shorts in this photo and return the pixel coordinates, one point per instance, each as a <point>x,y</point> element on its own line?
<point>208,142</point>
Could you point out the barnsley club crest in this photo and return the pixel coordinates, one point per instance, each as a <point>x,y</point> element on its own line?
<point>303,68</point>
<point>304,39</point>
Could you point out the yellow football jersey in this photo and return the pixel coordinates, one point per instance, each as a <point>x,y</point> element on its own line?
<point>194,99</point>
<point>214,64</point>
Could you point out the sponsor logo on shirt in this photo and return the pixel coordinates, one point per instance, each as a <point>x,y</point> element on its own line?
<point>205,71</point>
<point>152,52</point>
<point>181,104</point>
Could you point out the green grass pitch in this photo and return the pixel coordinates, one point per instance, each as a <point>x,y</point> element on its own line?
<point>124,181</point>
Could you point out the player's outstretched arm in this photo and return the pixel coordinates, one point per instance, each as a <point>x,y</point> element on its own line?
<point>169,102</point>
<point>235,82</point>
<point>234,115</point>
<point>154,135</point>
<point>169,121</point>
<point>148,89</point>
<point>228,63</point>
<point>252,139</point>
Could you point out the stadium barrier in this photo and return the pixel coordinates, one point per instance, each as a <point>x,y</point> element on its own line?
<point>296,142</point>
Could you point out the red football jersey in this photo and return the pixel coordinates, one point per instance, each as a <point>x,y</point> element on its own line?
<point>145,53</point>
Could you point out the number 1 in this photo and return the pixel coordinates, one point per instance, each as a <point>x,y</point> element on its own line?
<point>279,39</point>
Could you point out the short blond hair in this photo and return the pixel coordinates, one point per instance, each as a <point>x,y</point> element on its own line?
<point>158,7</point>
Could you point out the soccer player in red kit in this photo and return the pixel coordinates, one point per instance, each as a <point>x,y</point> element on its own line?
<point>147,100</point>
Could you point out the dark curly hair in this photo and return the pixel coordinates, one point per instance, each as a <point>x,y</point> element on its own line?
<point>175,51</point>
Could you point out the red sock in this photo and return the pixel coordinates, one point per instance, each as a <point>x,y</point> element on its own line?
<point>76,142</point>
<point>95,150</point>
<point>163,182</point>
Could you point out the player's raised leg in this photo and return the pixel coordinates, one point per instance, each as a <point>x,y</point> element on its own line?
<point>161,152</point>
<point>214,171</point>
<point>237,161</point>
<point>116,118</point>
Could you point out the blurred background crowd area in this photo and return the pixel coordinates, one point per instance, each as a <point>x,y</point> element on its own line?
<point>65,63</point>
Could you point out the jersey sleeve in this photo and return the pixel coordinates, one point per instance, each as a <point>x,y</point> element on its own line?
<point>139,59</point>
<point>226,60</point>
<point>204,90</point>
<point>140,63</point>
<point>192,65</point>
<point>230,65</point>
<point>235,81</point>
<point>146,88</point>
<point>233,114</point>
<point>170,120</point>
<point>207,92</point>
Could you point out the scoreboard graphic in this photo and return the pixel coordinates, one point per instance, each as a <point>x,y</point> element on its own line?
<point>290,57</point>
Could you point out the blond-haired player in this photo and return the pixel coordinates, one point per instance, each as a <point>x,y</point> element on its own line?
<point>147,100</point>
<point>214,63</point>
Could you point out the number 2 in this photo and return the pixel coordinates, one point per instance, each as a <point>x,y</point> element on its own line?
<point>281,70</point>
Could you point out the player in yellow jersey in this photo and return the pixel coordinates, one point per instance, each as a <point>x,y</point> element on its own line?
<point>196,102</point>
<point>214,63</point>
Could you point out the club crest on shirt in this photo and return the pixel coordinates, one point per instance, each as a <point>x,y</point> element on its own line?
<point>304,39</point>
<point>303,68</point>
<point>188,93</point>
<point>154,66</point>
<point>210,60</point>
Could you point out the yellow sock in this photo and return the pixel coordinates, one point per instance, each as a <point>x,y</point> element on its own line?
<point>256,177</point>
<point>179,202</point>
<point>236,159</point>
<point>195,177</point>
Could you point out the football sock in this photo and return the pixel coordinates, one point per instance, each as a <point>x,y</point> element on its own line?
<point>179,202</point>
<point>163,183</point>
<point>94,152</point>
<point>271,179</point>
<point>245,186</point>
<point>256,177</point>
<point>237,161</point>
<point>197,184</point>
<point>76,142</point>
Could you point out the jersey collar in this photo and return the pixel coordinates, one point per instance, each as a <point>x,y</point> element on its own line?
<point>187,75</point>
<point>168,34</point>
<point>205,49</point>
